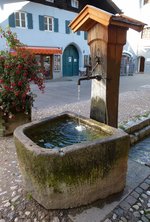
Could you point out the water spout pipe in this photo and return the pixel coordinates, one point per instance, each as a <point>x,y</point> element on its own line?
<point>98,77</point>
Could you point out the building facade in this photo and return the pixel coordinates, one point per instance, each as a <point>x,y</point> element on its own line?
<point>43,27</point>
<point>136,53</point>
<point>143,64</point>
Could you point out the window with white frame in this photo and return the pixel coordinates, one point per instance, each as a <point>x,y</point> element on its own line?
<point>75,3</point>
<point>146,33</point>
<point>50,1</point>
<point>57,62</point>
<point>21,19</point>
<point>48,23</point>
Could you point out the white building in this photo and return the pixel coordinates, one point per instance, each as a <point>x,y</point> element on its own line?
<point>136,53</point>
<point>43,27</point>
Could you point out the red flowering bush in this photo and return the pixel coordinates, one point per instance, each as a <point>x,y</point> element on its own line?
<point>17,71</point>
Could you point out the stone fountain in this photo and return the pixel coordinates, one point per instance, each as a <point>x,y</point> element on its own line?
<point>78,173</point>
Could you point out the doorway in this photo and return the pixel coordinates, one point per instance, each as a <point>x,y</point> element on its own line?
<point>141,64</point>
<point>46,62</point>
<point>70,61</point>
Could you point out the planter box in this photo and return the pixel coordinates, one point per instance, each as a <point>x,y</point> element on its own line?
<point>7,125</point>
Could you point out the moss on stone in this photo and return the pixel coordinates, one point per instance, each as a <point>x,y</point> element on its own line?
<point>73,168</point>
<point>98,109</point>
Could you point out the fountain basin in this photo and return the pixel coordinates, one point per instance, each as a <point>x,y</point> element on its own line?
<point>76,174</point>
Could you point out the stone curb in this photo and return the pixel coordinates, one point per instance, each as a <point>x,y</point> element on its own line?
<point>138,131</point>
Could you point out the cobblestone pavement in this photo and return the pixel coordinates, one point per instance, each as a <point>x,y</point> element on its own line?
<point>135,207</point>
<point>17,206</point>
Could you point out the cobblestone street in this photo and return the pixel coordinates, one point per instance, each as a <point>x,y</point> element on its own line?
<point>132,205</point>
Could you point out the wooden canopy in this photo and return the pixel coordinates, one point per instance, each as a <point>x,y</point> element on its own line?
<point>91,15</point>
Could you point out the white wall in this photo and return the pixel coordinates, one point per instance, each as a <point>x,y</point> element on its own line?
<point>144,45</point>
<point>35,37</point>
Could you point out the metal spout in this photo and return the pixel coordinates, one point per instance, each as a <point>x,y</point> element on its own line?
<point>98,77</point>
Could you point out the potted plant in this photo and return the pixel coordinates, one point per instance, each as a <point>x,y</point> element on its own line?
<point>18,69</point>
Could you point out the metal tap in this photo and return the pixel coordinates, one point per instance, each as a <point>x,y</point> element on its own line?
<point>98,77</point>
<point>90,72</point>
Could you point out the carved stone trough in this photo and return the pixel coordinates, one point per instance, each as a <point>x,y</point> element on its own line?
<point>77,174</point>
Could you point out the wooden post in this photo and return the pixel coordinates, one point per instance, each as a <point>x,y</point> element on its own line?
<point>106,43</point>
<point>106,37</point>
<point>116,41</point>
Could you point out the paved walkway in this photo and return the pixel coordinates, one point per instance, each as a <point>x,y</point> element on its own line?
<point>17,206</point>
<point>136,206</point>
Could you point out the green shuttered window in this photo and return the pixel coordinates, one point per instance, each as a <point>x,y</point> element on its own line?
<point>56,26</point>
<point>11,20</point>
<point>48,23</point>
<point>21,19</point>
<point>85,35</point>
<point>30,21</point>
<point>41,22</point>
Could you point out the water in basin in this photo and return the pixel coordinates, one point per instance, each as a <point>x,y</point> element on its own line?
<point>62,133</point>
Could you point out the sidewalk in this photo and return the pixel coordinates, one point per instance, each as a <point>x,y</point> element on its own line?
<point>131,205</point>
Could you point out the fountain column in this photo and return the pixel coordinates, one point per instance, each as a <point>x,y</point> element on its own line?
<point>107,43</point>
<point>106,37</point>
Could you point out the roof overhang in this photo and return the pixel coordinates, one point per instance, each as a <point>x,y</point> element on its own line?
<point>91,15</point>
<point>41,50</point>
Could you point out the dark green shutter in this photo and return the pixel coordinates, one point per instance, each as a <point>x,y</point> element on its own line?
<point>56,27</point>
<point>85,35</point>
<point>11,20</point>
<point>67,28</point>
<point>30,21</point>
<point>78,32</point>
<point>41,22</point>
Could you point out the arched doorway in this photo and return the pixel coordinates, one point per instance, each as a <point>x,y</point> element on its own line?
<point>70,61</point>
<point>141,64</point>
<point>127,65</point>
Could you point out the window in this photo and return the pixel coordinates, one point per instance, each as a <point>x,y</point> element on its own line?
<point>48,23</point>
<point>21,19</point>
<point>146,33</point>
<point>86,60</point>
<point>68,30</point>
<point>75,3</point>
<point>85,35</point>
<point>50,1</point>
<point>57,62</point>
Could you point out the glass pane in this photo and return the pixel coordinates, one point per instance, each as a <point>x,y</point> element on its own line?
<point>50,24</point>
<point>45,20</point>
<point>45,23</point>
<point>45,27</point>
<point>50,27</point>
<point>23,23</point>
<point>50,21</point>
<point>17,15</point>
<point>17,23</point>
<point>22,16</point>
